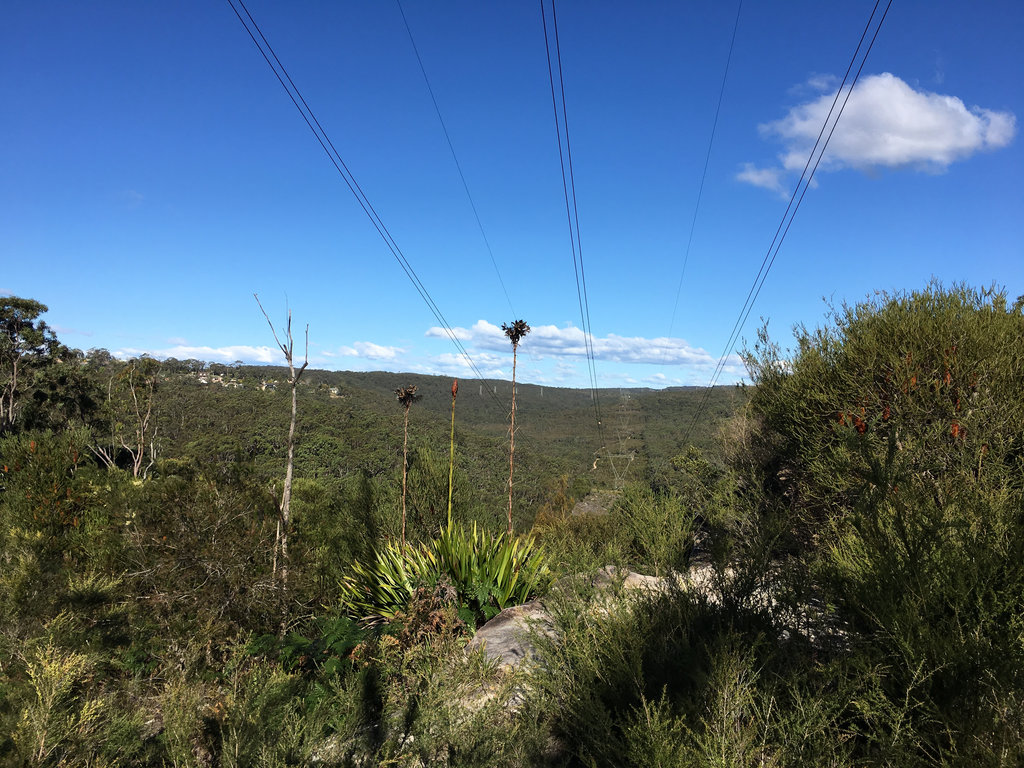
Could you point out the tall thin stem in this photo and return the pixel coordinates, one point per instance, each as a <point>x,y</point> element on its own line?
<point>405,468</point>
<point>515,333</point>
<point>406,397</point>
<point>512,438</point>
<point>451,453</point>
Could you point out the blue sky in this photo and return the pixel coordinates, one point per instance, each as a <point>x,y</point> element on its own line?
<point>153,175</point>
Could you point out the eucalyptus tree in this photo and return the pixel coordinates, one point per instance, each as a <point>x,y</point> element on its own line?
<point>515,332</point>
<point>26,342</point>
<point>406,397</point>
<point>129,418</point>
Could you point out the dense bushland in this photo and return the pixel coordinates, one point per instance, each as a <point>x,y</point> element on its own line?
<point>858,524</point>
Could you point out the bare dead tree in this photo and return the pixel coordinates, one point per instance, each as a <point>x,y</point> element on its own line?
<point>515,333</point>
<point>294,374</point>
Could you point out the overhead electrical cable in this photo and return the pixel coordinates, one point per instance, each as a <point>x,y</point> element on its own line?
<point>281,73</point>
<point>571,208</point>
<point>704,173</point>
<point>455,157</point>
<point>799,191</point>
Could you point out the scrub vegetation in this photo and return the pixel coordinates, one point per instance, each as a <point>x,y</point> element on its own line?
<point>857,511</point>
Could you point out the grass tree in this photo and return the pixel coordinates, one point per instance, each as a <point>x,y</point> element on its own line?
<point>406,396</point>
<point>294,374</point>
<point>451,452</point>
<point>515,333</point>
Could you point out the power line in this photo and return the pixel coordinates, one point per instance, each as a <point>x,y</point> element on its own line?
<point>704,174</point>
<point>281,73</point>
<point>571,208</point>
<point>451,147</point>
<point>799,191</point>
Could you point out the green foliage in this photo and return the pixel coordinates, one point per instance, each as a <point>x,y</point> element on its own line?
<point>59,722</point>
<point>377,591</point>
<point>127,436</point>
<point>322,648</point>
<point>428,493</point>
<point>646,530</point>
<point>26,345</point>
<point>887,454</point>
<point>656,529</point>
<point>264,719</point>
<point>62,394</point>
<point>488,571</point>
<point>582,543</point>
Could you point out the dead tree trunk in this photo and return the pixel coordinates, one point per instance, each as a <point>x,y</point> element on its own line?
<point>284,516</point>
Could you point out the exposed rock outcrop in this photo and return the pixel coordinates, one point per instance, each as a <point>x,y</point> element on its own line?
<point>509,639</point>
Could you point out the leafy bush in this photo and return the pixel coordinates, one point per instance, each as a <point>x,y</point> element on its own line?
<point>890,446</point>
<point>656,528</point>
<point>489,573</point>
<point>323,647</point>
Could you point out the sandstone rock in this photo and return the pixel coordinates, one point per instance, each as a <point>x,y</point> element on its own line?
<point>595,503</point>
<point>507,639</point>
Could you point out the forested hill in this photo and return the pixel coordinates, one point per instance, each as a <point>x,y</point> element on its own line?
<point>351,423</point>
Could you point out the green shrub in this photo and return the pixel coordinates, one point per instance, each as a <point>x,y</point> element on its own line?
<point>887,455</point>
<point>656,529</point>
<point>488,571</point>
<point>581,543</point>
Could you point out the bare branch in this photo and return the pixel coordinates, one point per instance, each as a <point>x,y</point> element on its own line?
<point>272,329</point>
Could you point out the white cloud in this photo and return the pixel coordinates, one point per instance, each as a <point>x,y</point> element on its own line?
<point>482,332</point>
<point>767,178</point>
<point>371,351</point>
<point>552,341</point>
<point>822,82</point>
<point>886,124</point>
<point>440,333</point>
<point>228,354</point>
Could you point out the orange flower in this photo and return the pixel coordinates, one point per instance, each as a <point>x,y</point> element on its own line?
<point>455,388</point>
<point>956,429</point>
